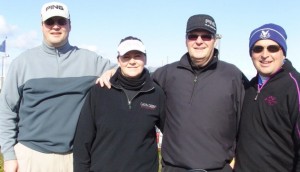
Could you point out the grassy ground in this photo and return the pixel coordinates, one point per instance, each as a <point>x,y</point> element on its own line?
<point>159,170</point>
<point>1,164</point>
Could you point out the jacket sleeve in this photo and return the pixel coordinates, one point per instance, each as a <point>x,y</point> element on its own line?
<point>297,144</point>
<point>159,76</point>
<point>162,112</point>
<point>84,136</point>
<point>294,110</point>
<point>239,87</point>
<point>241,94</point>
<point>104,64</point>
<point>9,106</point>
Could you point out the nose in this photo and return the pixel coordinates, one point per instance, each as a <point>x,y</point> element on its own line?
<point>132,60</point>
<point>199,40</point>
<point>56,26</point>
<point>265,53</point>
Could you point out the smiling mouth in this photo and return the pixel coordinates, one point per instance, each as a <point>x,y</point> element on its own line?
<point>265,62</point>
<point>55,33</point>
<point>199,48</point>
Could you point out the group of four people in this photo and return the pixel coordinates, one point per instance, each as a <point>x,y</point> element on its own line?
<point>54,118</point>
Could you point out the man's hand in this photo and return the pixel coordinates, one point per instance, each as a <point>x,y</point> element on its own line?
<point>11,166</point>
<point>103,80</point>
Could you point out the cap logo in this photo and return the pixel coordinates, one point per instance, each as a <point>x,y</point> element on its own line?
<point>210,23</point>
<point>55,6</point>
<point>265,34</point>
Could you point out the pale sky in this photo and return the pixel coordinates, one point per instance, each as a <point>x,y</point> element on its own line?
<point>99,25</point>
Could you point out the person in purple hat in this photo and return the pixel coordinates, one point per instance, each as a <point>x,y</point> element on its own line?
<point>269,134</point>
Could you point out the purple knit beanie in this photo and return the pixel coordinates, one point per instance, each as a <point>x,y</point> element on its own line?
<point>269,31</point>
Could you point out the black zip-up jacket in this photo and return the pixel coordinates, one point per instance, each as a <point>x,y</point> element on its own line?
<point>115,134</point>
<point>202,113</point>
<point>269,130</point>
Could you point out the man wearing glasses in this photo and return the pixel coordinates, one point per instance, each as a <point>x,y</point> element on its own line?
<point>42,97</point>
<point>203,105</point>
<point>269,137</point>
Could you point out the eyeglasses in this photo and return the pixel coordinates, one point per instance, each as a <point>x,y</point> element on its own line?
<point>204,37</point>
<point>270,48</point>
<point>59,21</point>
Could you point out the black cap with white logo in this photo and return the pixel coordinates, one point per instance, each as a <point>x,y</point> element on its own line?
<point>201,22</point>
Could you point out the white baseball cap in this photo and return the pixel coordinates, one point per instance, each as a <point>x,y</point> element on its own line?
<point>52,9</point>
<point>130,45</point>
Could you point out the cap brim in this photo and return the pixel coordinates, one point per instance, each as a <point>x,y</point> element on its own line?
<point>131,45</point>
<point>200,29</point>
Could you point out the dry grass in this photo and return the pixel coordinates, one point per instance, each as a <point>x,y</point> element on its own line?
<point>1,163</point>
<point>159,169</point>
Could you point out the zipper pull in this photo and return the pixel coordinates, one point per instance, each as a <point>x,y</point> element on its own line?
<point>129,104</point>
<point>195,79</point>
<point>258,91</point>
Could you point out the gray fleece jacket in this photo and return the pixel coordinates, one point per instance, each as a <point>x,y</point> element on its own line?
<point>42,96</point>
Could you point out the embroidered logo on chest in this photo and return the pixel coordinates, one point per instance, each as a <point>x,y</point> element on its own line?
<point>147,106</point>
<point>271,100</point>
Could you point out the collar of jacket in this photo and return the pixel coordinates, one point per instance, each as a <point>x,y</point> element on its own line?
<point>288,66</point>
<point>185,61</point>
<point>148,86</point>
<point>52,50</point>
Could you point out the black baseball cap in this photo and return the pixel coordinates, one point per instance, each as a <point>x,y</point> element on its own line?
<point>201,22</point>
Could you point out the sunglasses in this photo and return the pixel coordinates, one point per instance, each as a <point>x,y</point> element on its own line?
<point>270,48</point>
<point>59,21</point>
<point>204,37</point>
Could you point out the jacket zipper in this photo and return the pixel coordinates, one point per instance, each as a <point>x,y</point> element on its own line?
<point>195,80</point>
<point>57,60</point>
<point>258,91</point>
<point>130,101</point>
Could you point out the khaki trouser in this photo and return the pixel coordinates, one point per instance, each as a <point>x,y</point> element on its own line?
<point>33,161</point>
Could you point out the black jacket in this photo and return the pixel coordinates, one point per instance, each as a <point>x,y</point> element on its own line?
<point>202,113</point>
<point>115,134</point>
<point>270,125</point>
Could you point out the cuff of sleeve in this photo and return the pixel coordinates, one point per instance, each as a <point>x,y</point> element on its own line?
<point>9,156</point>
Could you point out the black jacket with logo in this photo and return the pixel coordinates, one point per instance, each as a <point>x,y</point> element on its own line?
<point>269,136</point>
<point>117,134</point>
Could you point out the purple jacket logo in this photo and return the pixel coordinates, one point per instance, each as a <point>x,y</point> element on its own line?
<point>271,100</point>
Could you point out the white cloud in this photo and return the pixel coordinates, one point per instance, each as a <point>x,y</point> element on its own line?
<point>16,37</point>
<point>5,28</point>
<point>18,40</point>
<point>25,40</point>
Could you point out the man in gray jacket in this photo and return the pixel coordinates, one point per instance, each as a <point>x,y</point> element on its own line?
<point>42,97</point>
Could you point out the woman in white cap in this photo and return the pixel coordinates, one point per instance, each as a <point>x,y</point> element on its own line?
<point>116,128</point>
